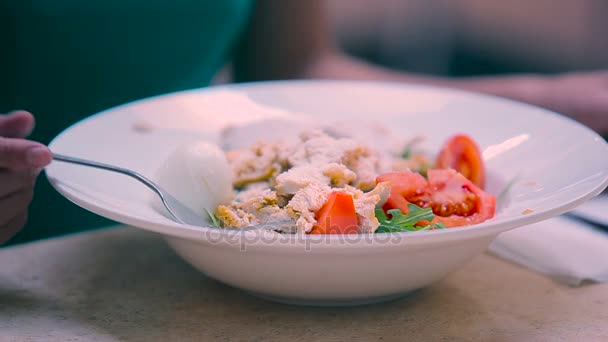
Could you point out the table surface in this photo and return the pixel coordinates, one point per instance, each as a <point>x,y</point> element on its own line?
<point>123,284</point>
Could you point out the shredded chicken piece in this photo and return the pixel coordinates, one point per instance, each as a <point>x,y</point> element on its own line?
<point>234,218</point>
<point>255,199</point>
<point>366,204</point>
<point>339,175</point>
<point>320,150</point>
<point>383,190</point>
<point>317,148</point>
<point>305,203</point>
<point>291,182</point>
<point>365,164</point>
<point>253,206</point>
<point>261,162</point>
<point>297,178</point>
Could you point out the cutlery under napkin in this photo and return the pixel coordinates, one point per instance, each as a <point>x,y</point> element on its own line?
<point>565,248</point>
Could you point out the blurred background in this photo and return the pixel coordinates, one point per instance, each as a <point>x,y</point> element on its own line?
<point>474,37</point>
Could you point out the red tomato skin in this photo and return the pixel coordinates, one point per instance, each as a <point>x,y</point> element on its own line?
<point>461,153</point>
<point>444,187</point>
<point>485,206</point>
<point>403,185</point>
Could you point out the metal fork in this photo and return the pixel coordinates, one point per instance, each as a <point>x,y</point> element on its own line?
<point>178,211</point>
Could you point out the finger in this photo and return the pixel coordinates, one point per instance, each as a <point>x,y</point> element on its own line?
<point>14,203</point>
<point>14,225</point>
<point>13,181</point>
<point>20,154</point>
<point>18,124</point>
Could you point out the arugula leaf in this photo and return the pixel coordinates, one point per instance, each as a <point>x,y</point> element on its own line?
<point>437,225</point>
<point>407,153</point>
<point>408,150</point>
<point>406,223</point>
<point>214,219</point>
<point>424,169</point>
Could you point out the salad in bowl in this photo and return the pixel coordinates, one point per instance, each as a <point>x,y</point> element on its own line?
<point>361,210</point>
<point>322,184</point>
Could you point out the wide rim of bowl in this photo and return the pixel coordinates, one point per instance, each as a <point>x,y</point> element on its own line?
<point>490,227</point>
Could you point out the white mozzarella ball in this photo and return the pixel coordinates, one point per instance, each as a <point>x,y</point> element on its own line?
<point>198,175</point>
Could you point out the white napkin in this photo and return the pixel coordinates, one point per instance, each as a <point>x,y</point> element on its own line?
<point>565,249</point>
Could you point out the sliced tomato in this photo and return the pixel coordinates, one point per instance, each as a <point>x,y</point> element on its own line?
<point>462,154</point>
<point>454,199</point>
<point>337,216</point>
<point>406,187</point>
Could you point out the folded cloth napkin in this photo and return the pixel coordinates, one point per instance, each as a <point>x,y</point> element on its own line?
<point>564,248</point>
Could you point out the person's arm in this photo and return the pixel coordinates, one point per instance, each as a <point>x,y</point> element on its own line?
<point>290,39</point>
<point>285,39</point>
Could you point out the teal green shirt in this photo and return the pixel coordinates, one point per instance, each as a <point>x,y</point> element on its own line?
<point>72,58</point>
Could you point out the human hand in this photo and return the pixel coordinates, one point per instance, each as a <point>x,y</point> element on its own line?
<point>21,161</point>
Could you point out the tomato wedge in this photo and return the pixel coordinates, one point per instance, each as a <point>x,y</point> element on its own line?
<point>462,154</point>
<point>337,216</point>
<point>406,187</point>
<point>454,199</point>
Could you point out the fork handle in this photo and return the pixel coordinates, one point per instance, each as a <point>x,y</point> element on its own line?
<point>107,167</point>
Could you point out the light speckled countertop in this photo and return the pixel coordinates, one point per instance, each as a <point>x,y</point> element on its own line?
<point>123,284</point>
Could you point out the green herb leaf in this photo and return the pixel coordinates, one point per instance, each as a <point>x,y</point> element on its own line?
<point>407,153</point>
<point>424,169</point>
<point>437,225</point>
<point>213,218</point>
<point>409,147</point>
<point>406,223</point>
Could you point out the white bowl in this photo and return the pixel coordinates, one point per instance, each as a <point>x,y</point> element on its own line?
<point>559,164</point>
